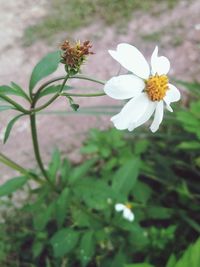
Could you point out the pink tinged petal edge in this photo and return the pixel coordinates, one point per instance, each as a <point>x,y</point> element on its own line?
<point>159,65</point>
<point>158,117</point>
<point>145,117</point>
<point>131,59</point>
<point>131,112</point>
<point>124,86</point>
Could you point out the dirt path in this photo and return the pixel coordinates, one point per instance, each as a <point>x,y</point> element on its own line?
<point>177,32</point>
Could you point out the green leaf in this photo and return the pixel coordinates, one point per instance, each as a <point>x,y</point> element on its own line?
<point>12,185</point>
<point>20,91</point>
<point>64,241</point>
<point>61,206</point>
<point>137,236</point>
<point>13,90</point>
<point>80,171</point>
<point>65,170</point>
<point>126,177</point>
<point>37,248</point>
<point>192,145</point>
<point>119,259</point>
<point>171,262</point>
<point>87,248</point>
<point>95,193</point>
<point>157,212</point>
<point>195,225</point>
<point>139,265</point>
<point>7,90</point>
<point>191,256</point>
<point>43,217</point>
<point>142,192</point>
<point>81,218</point>
<point>45,67</point>
<point>2,108</point>
<point>10,126</point>
<point>54,164</point>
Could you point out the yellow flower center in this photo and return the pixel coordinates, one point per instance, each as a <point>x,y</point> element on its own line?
<point>128,205</point>
<point>156,87</point>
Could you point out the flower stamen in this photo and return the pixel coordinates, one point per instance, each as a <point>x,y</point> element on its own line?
<point>128,205</point>
<point>156,87</point>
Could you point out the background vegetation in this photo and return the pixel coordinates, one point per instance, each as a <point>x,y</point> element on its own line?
<point>74,223</point>
<point>67,15</point>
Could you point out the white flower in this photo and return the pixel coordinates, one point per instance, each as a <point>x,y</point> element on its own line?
<point>127,213</point>
<point>147,88</point>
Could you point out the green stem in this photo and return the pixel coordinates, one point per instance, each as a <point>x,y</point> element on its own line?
<point>36,146</point>
<point>82,77</point>
<point>83,95</point>
<point>35,137</point>
<point>37,151</point>
<point>12,102</point>
<point>51,100</point>
<point>85,77</point>
<point>10,163</point>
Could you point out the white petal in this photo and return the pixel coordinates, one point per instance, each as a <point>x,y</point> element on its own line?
<point>131,59</point>
<point>159,65</point>
<point>158,117</point>
<point>124,86</point>
<point>172,95</point>
<point>169,108</point>
<point>145,117</point>
<point>131,112</point>
<point>119,207</point>
<point>128,215</point>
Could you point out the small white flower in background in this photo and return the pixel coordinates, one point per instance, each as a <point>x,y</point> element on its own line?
<point>147,88</point>
<point>126,211</point>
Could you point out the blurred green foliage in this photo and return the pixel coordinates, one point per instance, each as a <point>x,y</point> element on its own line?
<point>68,15</point>
<point>77,224</point>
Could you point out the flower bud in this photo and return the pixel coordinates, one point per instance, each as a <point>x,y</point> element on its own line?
<point>74,55</point>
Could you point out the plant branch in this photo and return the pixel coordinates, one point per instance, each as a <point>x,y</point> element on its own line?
<point>35,137</point>
<point>10,163</point>
<point>83,95</point>
<point>82,77</point>
<point>15,104</point>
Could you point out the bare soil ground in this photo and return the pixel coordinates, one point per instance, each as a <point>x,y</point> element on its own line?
<point>176,31</point>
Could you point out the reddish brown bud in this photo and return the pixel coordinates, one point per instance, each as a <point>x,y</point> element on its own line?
<point>75,54</point>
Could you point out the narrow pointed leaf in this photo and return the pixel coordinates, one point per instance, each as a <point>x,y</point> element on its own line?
<point>10,126</point>
<point>126,176</point>
<point>87,248</point>
<point>12,185</point>
<point>7,90</point>
<point>2,108</point>
<point>20,91</point>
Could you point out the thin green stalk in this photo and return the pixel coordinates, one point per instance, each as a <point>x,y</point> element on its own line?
<point>16,105</point>
<point>10,163</point>
<point>85,77</point>
<point>82,77</point>
<point>83,95</point>
<point>33,110</point>
<point>35,137</point>
<point>36,148</point>
<point>35,144</point>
